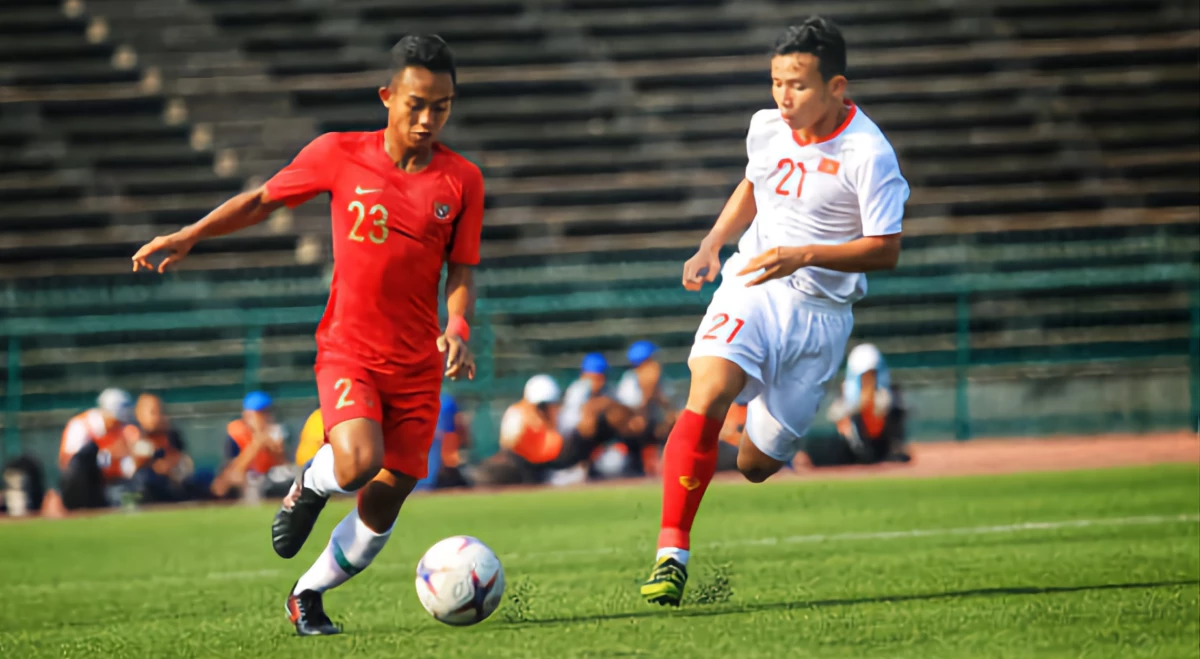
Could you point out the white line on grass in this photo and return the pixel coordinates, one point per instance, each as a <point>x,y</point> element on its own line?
<point>897,535</point>
<point>248,575</point>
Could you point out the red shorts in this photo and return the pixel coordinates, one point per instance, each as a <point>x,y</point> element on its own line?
<point>349,391</point>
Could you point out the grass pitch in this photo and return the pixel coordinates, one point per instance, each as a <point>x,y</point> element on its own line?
<point>1082,564</point>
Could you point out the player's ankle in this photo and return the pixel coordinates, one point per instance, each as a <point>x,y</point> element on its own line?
<point>676,553</point>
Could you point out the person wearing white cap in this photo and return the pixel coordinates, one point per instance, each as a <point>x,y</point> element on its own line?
<point>95,450</point>
<point>869,416</point>
<point>529,437</point>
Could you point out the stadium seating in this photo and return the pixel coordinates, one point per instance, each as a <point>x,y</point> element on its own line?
<point>610,132</point>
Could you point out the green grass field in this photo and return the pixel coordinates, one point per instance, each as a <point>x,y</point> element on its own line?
<point>1084,564</point>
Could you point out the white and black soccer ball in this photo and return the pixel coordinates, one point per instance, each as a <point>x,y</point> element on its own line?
<point>460,581</point>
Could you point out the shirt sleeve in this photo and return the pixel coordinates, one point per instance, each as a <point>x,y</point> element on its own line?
<point>76,437</point>
<point>756,140</point>
<point>511,426</point>
<point>469,227</point>
<point>882,192</point>
<point>310,173</point>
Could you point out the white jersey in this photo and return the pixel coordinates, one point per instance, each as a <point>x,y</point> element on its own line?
<point>828,192</point>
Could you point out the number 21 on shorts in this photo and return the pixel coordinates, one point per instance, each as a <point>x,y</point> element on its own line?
<point>720,329</point>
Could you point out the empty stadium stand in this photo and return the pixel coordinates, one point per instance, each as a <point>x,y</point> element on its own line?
<point>1052,147</point>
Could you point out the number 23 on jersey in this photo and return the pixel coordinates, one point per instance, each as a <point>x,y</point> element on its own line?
<point>378,231</point>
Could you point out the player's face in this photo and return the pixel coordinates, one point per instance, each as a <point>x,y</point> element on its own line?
<point>802,96</point>
<point>418,103</point>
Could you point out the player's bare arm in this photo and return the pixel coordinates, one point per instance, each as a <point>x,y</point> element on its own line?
<point>242,211</point>
<point>460,304</point>
<point>737,215</point>
<point>867,254</point>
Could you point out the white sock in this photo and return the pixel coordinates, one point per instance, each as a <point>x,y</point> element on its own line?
<point>678,554</point>
<point>320,477</point>
<point>352,546</point>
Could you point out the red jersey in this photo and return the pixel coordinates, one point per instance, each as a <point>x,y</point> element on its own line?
<point>392,233</point>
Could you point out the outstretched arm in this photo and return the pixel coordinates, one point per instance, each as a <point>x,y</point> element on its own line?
<point>310,173</point>
<point>242,211</point>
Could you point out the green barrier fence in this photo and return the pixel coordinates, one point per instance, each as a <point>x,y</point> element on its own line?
<point>253,323</point>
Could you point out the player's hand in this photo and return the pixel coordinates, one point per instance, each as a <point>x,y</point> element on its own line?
<point>775,263</point>
<point>459,360</point>
<point>176,245</point>
<point>701,268</point>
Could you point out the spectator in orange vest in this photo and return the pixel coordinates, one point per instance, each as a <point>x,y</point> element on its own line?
<point>255,450</point>
<point>95,451</point>
<point>529,439</point>
<point>164,469</point>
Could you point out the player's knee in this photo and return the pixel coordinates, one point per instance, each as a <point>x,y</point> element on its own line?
<point>357,466</point>
<point>756,474</point>
<point>754,469</point>
<point>716,383</point>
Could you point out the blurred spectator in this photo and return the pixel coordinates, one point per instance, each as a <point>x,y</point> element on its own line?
<point>592,419</point>
<point>95,451</point>
<point>654,412</point>
<point>24,486</point>
<point>255,448</point>
<point>312,436</point>
<point>530,444</point>
<point>731,437</point>
<point>870,416</point>
<point>164,470</point>
<point>450,441</point>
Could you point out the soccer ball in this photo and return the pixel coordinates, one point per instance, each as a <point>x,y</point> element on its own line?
<point>460,581</point>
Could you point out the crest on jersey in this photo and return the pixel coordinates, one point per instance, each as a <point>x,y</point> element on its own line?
<point>441,211</point>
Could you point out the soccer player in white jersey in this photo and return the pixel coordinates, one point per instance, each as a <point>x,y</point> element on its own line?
<point>821,204</point>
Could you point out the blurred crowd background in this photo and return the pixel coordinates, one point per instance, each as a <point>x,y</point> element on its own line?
<point>1048,283</point>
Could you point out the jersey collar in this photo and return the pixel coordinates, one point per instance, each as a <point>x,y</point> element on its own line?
<point>837,131</point>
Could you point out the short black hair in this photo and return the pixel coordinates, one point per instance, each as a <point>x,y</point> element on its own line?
<point>428,51</point>
<point>819,37</point>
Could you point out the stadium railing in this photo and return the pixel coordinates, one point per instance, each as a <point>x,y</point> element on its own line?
<point>489,387</point>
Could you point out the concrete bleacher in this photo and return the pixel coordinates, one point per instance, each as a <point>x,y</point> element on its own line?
<point>1036,140</point>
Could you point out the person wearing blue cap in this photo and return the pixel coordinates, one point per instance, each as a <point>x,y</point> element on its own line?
<point>255,447</point>
<point>591,415</point>
<point>643,390</point>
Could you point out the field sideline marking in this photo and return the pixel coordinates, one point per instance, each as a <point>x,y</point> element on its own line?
<point>603,551</point>
<point>895,535</point>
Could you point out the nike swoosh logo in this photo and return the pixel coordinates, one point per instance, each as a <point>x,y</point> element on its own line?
<point>359,190</point>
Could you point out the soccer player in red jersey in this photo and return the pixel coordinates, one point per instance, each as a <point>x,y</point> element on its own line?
<point>402,205</point>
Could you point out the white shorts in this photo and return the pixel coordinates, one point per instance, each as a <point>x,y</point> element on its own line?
<point>789,344</point>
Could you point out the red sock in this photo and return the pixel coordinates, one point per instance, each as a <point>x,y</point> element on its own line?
<point>688,464</point>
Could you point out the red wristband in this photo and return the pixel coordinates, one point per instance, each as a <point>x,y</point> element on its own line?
<point>458,326</point>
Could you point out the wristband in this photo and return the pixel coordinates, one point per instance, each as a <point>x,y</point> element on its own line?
<point>458,326</point>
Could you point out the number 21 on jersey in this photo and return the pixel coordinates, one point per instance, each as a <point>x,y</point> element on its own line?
<point>784,189</point>
<point>720,330</point>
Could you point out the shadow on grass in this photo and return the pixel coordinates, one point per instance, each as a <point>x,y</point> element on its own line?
<point>718,610</point>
